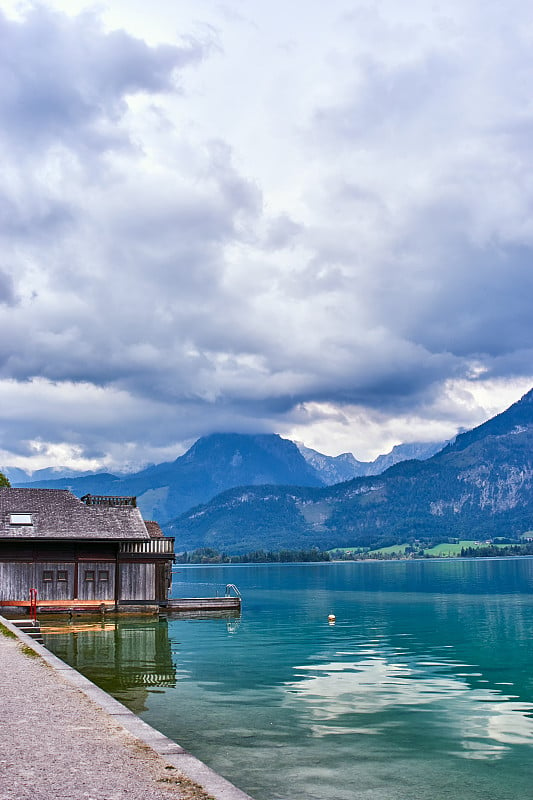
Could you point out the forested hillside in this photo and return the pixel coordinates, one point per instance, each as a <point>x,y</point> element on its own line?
<point>479,486</point>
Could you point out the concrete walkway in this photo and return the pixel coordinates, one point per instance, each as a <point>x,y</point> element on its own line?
<point>63,738</point>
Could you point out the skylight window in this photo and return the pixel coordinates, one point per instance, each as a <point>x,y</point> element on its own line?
<point>20,519</point>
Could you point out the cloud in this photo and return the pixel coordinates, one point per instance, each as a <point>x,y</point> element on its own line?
<point>431,228</point>
<point>65,80</point>
<point>225,232</point>
<point>7,294</point>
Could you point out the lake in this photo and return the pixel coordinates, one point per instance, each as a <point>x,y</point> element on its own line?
<point>422,689</point>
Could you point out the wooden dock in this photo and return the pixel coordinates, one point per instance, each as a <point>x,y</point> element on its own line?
<point>203,604</point>
<point>74,606</point>
<point>59,603</point>
<point>230,602</point>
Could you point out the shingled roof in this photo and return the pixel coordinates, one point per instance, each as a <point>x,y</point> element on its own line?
<point>58,514</point>
<point>153,529</point>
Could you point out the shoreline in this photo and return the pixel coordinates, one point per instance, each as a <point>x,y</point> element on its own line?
<point>431,559</point>
<point>199,780</point>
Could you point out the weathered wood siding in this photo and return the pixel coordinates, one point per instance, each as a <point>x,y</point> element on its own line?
<point>137,581</point>
<point>83,571</point>
<point>16,580</point>
<point>54,580</point>
<point>96,580</point>
<point>163,579</point>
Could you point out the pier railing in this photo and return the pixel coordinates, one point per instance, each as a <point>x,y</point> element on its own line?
<point>108,500</point>
<point>151,547</point>
<point>193,589</point>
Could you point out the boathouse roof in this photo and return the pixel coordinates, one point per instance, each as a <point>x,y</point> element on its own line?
<point>153,529</point>
<point>58,514</point>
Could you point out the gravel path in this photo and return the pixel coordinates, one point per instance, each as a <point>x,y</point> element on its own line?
<point>55,742</point>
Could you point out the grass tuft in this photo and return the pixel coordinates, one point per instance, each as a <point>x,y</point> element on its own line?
<point>7,633</point>
<point>29,651</point>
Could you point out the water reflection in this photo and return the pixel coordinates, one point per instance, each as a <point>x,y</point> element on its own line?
<point>363,696</point>
<point>422,689</point>
<point>232,618</point>
<point>128,658</point>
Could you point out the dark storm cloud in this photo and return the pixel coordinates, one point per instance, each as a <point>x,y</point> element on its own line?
<point>108,300</point>
<point>96,423</point>
<point>481,304</point>
<point>440,244</point>
<point>152,290</point>
<point>64,79</point>
<point>139,309</point>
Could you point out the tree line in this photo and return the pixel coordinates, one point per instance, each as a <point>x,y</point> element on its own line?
<point>207,555</point>
<point>492,551</point>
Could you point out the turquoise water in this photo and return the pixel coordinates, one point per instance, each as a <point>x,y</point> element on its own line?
<point>421,690</point>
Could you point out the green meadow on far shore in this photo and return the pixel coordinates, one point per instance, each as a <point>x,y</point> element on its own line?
<point>443,550</point>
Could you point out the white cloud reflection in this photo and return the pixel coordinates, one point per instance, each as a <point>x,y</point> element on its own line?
<point>362,697</point>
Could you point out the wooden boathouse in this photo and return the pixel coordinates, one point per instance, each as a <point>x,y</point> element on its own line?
<point>89,553</point>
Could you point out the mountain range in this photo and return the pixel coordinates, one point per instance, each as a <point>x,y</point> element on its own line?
<point>212,465</point>
<point>478,486</point>
<point>336,469</point>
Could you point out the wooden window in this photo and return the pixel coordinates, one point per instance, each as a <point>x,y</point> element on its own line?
<point>62,575</point>
<point>48,575</point>
<point>89,575</point>
<point>103,574</point>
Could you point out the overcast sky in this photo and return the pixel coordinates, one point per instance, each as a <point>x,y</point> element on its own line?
<point>307,218</point>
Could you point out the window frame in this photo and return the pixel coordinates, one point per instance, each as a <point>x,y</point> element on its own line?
<point>20,518</point>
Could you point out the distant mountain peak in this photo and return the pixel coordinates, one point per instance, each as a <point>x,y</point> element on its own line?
<point>344,467</point>
<point>517,417</point>
<point>212,465</point>
<point>479,486</point>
